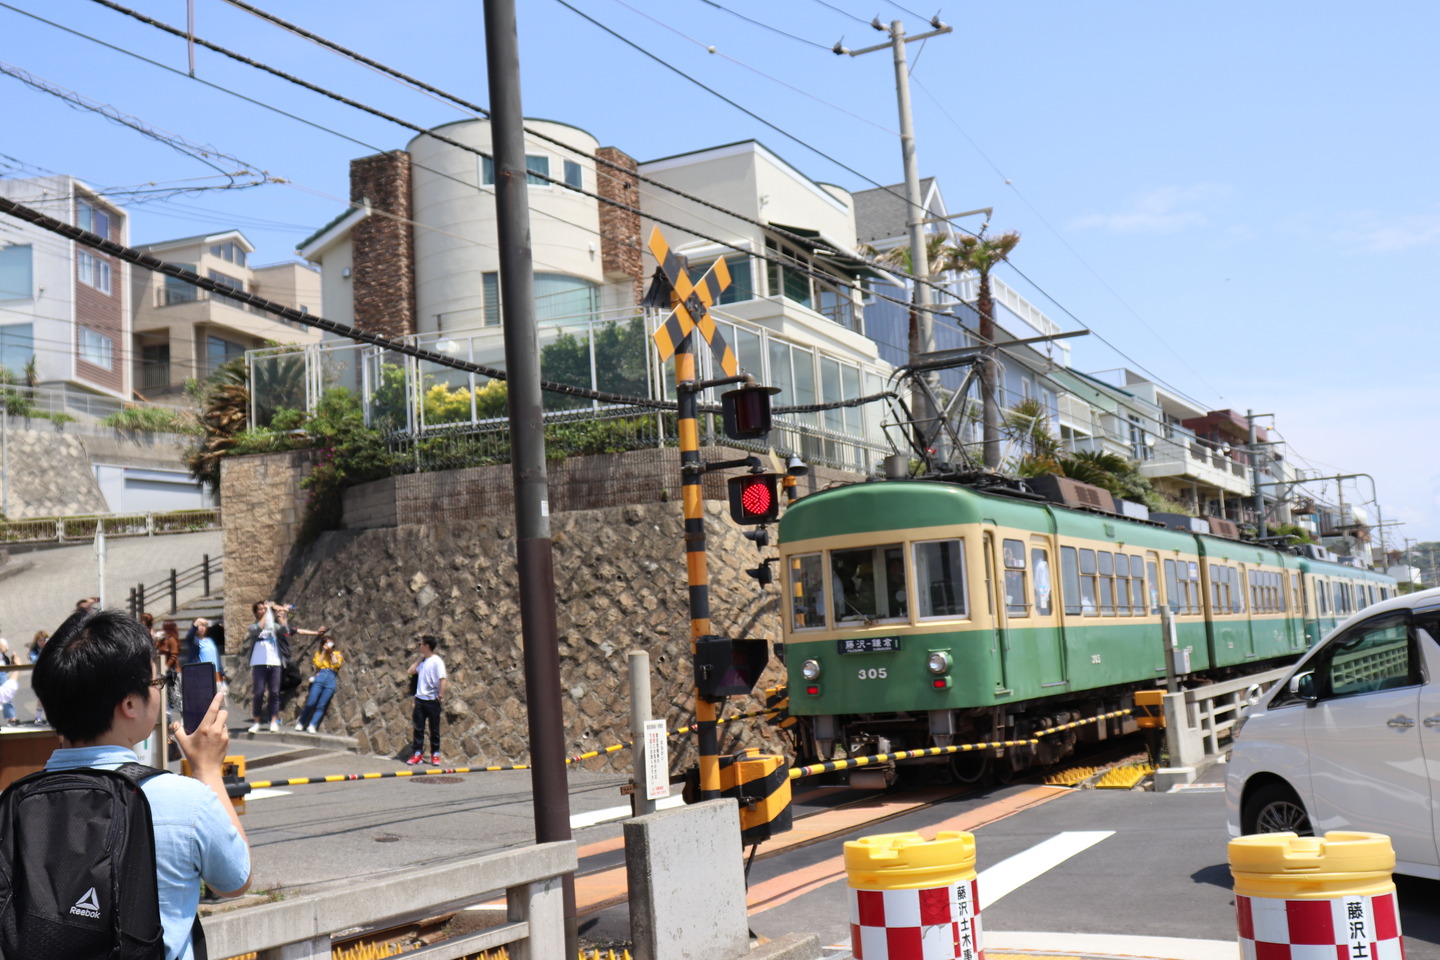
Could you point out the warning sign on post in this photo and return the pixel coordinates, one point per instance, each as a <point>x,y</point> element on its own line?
<point>657,761</point>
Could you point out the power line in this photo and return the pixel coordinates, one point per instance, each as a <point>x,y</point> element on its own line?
<point>763,24</point>
<point>847,13</point>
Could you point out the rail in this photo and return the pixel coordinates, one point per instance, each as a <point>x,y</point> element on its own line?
<point>302,927</point>
<point>203,573</point>
<point>77,529</point>
<point>1199,721</point>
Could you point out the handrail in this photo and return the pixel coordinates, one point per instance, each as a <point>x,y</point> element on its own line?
<point>201,573</point>
<point>301,927</point>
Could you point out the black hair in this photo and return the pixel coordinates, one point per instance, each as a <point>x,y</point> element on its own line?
<point>432,642</point>
<point>94,661</point>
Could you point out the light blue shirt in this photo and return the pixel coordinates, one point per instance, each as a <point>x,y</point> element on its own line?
<point>194,840</point>
<point>208,653</point>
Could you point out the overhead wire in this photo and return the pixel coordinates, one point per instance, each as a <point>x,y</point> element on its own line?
<point>763,24</point>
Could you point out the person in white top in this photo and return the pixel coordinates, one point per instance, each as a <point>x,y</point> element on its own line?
<point>430,685</point>
<point>266,663</point>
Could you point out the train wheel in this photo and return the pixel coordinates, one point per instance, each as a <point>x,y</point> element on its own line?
<point>970,766</point>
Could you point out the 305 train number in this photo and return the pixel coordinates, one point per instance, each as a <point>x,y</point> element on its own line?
<point>871,673</point>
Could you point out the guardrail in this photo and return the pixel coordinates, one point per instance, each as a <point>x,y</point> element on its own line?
<point>302,927</point>
<point>1199,721</point>
<point>73,529</point>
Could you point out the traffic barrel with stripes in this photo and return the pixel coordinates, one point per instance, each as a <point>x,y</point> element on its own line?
<point>912,898</point>
<point>1329,896</point>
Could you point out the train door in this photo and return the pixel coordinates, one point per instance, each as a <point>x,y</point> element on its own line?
<point>1242,601</point>
<point>1049,644</point>
<point>995,598</point>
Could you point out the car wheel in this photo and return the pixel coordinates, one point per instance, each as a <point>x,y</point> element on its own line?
<point>1274,808</point>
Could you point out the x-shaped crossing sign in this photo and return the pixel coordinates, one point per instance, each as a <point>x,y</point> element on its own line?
<point>691,302</point>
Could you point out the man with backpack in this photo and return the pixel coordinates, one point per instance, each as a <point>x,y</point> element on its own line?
<point>85,828</point>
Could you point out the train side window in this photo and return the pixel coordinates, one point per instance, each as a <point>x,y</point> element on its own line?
<point>940,579</point>
<point>807,592</point>
<point>1237,589</point>
<point>1070,574</point>
<point>1192,569</point>
<point>1219,588</point>
<point>1015,591</point>
<point>1282,581</point>
<point>1040,578</point>
<point>1122,585</point>
<point>1137,586</point>
<point>1106,569</point>
<point>1152,573</point>
<point>1172,587</point>
<point>1087,583</point>
<point>894,598</point>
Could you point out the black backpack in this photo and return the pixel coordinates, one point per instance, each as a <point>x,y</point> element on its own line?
<point>77,867</point>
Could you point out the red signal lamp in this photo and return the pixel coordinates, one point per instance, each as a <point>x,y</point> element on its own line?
<point>813,689</point>
<point>753,498</point>
<point>941,683</point>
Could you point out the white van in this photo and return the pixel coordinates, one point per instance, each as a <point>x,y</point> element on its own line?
<point>1350,740</point>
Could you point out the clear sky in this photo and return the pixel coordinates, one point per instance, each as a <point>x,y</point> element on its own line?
<point>1239,196</point>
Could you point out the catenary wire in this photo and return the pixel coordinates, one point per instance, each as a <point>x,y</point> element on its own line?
<point>763,24</point>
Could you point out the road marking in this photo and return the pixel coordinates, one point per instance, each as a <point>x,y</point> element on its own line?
<point>1009,875</point>
<point>593,817</point>
<point>265,793</point>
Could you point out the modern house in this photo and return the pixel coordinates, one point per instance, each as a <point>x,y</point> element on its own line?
<point>61,303</point>
<point>182,332</point>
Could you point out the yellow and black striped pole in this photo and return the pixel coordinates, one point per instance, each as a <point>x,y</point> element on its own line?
<point>697,572</point>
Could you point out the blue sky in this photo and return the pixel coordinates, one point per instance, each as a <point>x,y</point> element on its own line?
<point>1240,196</point>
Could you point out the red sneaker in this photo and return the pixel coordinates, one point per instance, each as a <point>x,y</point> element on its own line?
<point>435,759</point>
<point>414,759</point>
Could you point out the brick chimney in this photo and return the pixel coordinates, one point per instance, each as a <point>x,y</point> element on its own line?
<point>383,276</point>
<point>620,242</point>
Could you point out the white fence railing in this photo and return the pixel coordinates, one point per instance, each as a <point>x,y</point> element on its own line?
<point>1198,722</point>
<point>303,927</point>
<point>75,529</point>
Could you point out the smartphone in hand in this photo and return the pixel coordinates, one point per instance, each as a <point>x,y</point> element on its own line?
<point>197,691</point>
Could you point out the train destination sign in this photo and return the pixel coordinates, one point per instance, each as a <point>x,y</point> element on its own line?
<point>869,645</point>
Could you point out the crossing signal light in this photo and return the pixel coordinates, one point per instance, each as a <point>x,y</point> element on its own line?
<point>746,412</point>
<point>753,498</point>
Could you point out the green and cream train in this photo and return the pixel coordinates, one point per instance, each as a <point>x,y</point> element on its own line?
<point>927,613</point>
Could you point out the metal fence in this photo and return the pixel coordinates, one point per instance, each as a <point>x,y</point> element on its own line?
<point>73,529</point>
<point>69,410</point>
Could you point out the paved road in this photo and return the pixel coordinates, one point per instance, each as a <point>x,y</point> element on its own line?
<point>41,597</point>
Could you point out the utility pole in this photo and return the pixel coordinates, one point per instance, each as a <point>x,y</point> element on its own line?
<point>534,557</point>
<point>922,333</point>
<point>1262,529</point>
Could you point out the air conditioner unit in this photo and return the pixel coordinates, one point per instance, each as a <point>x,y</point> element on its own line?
<point>1073,493</point>
<point>1181,521</point>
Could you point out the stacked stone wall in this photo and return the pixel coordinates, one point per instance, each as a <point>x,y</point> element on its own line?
<point>262,509</point>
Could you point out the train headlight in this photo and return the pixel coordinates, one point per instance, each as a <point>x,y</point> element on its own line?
<point>810,669</point>
<point>938,662</point>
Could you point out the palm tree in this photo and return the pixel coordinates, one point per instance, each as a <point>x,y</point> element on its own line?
<point>981,254</point>
<point>224,415</point>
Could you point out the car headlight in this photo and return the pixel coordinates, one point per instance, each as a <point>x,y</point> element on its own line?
<point>938,662</point>
<point>810,669</point>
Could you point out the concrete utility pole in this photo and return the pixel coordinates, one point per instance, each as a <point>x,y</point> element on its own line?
<point>534,558</point>
<point>922,339</point>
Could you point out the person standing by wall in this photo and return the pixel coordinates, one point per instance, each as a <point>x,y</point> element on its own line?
<point>430,684</point>
<point>9,685</point>
<point>203,649</point>
<point>167,644</point>
<point>265,666</point>
<point>327,662</point>
<point>37,645</point>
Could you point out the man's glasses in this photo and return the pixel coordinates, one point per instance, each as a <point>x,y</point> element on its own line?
<point>163,682</point>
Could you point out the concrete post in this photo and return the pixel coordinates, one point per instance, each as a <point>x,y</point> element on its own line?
<point>542,905</point>
<point>640,706</point>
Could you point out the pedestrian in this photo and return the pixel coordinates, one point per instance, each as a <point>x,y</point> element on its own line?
<point>202,648</point>
<point>430,684</point>
<point>85,603</point>
<point>263,649</point>
<point>327,662</point>
<point>167,644</point>
<point>285,635</point>
<point>36,645</point>
<point>98,680</point>
<point>147,619</point>
<point>9,683</point>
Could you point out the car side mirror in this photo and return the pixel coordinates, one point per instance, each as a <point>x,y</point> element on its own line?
<point>1302,685</point>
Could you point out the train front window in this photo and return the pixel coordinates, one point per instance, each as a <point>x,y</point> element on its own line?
<point>807,592</point>
<point>940,579</point>
<point>868,583</point>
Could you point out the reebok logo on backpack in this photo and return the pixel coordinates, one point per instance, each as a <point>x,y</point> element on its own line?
<point>77,867</point>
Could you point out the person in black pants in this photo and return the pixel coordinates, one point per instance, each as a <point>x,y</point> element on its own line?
<point>430,684</point>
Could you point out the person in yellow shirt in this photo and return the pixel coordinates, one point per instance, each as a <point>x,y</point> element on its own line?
<point>327,662</point>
